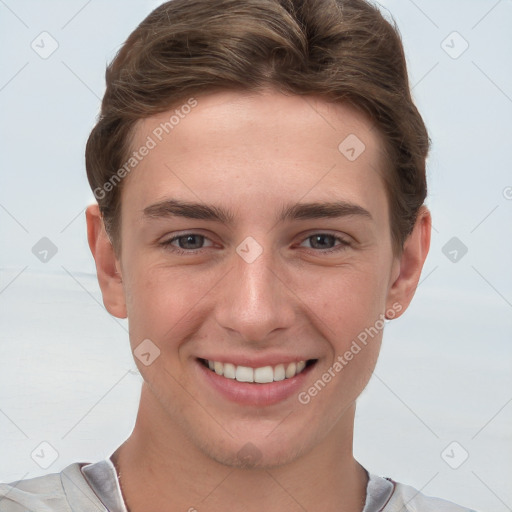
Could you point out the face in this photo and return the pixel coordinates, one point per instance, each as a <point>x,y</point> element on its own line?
<point>252,240</point>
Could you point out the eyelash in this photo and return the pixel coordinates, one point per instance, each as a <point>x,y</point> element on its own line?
<point>189,252</point>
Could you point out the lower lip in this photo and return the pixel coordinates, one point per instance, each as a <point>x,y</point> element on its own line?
<point>248,393</point>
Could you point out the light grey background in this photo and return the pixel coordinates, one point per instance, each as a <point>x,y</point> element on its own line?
<point>67,376</point>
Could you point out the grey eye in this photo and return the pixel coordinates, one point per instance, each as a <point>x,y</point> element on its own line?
<point>190,241</point>
<point>322,241</point>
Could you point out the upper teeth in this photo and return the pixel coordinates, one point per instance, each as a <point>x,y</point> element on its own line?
<point>260,375</point>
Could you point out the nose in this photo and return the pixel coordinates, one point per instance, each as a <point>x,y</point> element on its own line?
<point>256,300</point>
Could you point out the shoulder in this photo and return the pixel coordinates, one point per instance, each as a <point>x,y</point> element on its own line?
<point>44,493</point>
<point>408,499</point>
<point>57,492</point>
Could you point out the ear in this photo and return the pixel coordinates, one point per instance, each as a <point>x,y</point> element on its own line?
<point>108,267</point>
<point>407,267</point>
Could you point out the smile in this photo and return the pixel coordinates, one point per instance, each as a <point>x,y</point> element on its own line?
<point>261,375</point>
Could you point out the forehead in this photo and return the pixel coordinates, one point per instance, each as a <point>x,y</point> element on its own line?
<point>245,148</point>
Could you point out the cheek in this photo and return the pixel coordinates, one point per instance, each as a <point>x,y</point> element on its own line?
<point>162,299</point>
<point>347,302</point>
<point>350,310</point>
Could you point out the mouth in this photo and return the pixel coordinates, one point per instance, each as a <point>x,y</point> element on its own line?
<point>260,375</point>
<point>261,386</point>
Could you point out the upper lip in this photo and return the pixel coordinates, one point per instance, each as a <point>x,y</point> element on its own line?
<point>256,361</point>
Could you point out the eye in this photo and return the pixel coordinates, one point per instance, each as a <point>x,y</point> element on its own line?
<point>186,243</point>
<point>325,242</point>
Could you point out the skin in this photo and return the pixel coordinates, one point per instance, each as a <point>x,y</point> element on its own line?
<point>252,154</point>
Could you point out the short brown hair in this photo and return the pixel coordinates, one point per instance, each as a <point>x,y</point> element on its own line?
<point>341,50</point>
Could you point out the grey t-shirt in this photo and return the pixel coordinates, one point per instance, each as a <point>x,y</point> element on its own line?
<point>82,487</point>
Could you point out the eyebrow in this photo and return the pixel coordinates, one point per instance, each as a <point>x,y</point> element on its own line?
<point>298,211</point>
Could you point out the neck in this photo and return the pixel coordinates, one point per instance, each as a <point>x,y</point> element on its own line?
<point>160,469</point>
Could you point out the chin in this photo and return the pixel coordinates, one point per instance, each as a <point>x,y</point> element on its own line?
<point>262,451</point>
<point>251,456</point>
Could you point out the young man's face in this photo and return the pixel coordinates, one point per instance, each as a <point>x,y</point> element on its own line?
<point>254,287</point>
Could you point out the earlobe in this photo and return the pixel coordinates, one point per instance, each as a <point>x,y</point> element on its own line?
<point>108,267</point>
<point>410,263</point>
